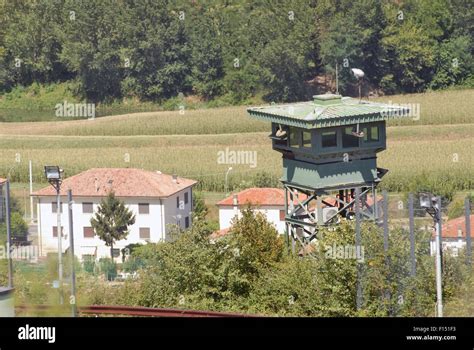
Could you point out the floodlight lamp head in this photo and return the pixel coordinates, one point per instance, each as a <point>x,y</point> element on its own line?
<point>358,73</point>
<point>53,173</point>
<point>426,200</point>
<point>280,132</point>
<point>357,132</point>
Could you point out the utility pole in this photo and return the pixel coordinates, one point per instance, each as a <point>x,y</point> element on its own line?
<point>358,248</point>
<point>9,233</point>
<point>467,214</point>
<point>71,251</point>
<point>32,217</point>
<point>411,215</point>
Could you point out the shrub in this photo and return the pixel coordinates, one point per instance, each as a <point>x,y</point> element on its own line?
<point>108,268</point>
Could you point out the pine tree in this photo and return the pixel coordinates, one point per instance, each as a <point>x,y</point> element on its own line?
<point>111,221</point>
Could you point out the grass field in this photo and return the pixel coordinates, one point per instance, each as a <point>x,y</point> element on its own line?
<point>448,107</point>
<point>438,148</point>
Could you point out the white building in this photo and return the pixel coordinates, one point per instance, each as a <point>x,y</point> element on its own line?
<point>453,236</point>
<point>157,200</point>
<point>268,201</point>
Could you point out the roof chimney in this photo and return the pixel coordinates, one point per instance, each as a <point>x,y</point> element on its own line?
<point>175,178</point>
<point>96,183</point>
<point>235,199</point>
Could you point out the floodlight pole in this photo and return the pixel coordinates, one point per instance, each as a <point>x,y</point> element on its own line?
<point>432,206</point>
<point>56,183</point>
<point>439,287</point>
<point>467,213</point>
<point>71,251</point>
<point>60,239</point>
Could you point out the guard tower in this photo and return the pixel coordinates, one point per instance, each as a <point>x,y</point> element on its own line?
<point>329,148</point>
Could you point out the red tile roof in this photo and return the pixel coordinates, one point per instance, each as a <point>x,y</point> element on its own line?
<point>273,197</point>
<point>125,182</point>
<point>257,196</point>
<point>220,233</point>
<point>451,228</point>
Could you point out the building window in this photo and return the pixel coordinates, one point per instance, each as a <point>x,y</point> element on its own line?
<point>186,198</point>
<point>371,134</point>
<point>143,208</point>
<point>55,231</point>
<point>116,252</point>
<point>177,202</point>
<point>282,215</point>
<point>87,207</point>
<point>348,139</point>
<point>329,139</point>
<point>306,137</point>
<point>186,222</point>
<point>54,207</point>
<point>294,139</point>
<point>88,232</point>
<point>144,233</point>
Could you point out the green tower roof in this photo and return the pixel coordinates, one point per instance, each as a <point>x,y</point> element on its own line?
<point>326,111</point>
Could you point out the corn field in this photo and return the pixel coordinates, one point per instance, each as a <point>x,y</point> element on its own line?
<point>438,150</point>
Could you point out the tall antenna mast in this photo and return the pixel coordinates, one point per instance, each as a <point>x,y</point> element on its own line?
<point>337,81</point>
<point>359,74</point>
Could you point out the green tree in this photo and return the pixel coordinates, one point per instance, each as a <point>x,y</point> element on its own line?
<point>31,40</point>
<point>92,38</point>
<point>454,62</point>
<point>206,56</point>
<point>157,49</point>
<point>111,221</point>
<point>200,209</point>
<point>286,55</point>
<point>255,242</point>
<point>350,35</point>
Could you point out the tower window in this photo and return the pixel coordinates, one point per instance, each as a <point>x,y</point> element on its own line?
<point>294,139</point>
<point>306,137</point>
<point>371,134</point>
<point>348,139</point>
<point>329,139</point>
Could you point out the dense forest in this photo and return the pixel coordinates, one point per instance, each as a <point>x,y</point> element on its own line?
<point>153,50</point>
